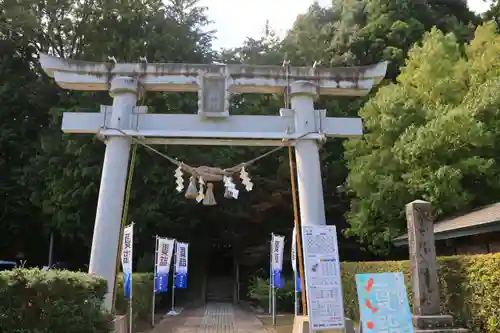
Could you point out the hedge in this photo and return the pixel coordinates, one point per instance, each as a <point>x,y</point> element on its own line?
<point>53,302</point>
<point>142,296</point>
<point>259,291</point>
<point>470,288</point>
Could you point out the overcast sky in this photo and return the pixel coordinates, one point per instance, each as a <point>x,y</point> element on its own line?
<point>236,19</point>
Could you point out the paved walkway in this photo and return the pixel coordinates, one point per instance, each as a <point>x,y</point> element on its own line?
<point>213,318</point>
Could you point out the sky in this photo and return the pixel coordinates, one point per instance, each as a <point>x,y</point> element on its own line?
<point>235,20</point>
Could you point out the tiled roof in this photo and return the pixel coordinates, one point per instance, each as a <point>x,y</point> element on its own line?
<point>479,217</point>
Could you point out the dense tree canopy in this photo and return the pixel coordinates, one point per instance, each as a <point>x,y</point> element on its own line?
<point>432,135</point>
<point>415,145</point>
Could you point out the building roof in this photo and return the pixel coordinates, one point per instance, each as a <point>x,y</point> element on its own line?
<point>479,221</point>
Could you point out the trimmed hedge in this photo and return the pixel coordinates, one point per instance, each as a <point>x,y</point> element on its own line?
<point>142,296</point>
<point>470,288</point>
<point>52,301</point>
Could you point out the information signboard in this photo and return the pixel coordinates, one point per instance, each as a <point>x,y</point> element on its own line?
<point>323,281</point>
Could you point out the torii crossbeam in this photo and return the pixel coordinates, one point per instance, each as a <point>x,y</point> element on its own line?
<point>211,125</point>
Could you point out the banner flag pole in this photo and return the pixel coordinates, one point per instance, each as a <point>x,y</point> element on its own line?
<point>154,283</point>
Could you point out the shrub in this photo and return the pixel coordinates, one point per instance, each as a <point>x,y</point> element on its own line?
<point>142,296</point>
<point>259,292</point>
<point>52,301</point>
<point>468,285</point>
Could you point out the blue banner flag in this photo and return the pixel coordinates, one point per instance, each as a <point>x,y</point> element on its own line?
<point>278,281</point>
<point>161,282</point>
<point>127,284</point>
<point>298,284</point>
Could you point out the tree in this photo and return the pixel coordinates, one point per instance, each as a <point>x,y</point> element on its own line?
<point>59,174</point>
<point>432,135</point>
<point>354,32</point>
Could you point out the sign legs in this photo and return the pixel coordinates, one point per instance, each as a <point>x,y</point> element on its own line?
<point>107,226</point>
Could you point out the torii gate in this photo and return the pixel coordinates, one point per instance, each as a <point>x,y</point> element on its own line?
<point>211,126</point>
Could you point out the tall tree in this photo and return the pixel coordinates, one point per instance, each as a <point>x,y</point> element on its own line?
<point>354,32</point>
<point>432,135</point>
<point>60,173</point>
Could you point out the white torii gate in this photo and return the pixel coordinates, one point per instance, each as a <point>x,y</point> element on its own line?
<point>211,126</point>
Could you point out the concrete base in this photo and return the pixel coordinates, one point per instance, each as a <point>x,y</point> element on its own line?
<point>301,325</point>
<point>432,322</point>
<point>120,324</point>
<point>435,324</point>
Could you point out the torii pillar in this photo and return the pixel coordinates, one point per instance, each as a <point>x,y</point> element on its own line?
<point>211,126</point>
<point>106,237</point>
<point>309,180</point>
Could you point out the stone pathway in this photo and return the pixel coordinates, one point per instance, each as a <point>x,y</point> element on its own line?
<point>213,318</point>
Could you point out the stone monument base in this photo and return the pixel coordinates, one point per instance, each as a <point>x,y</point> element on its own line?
<point>436,324</point>
<point>301,325</point>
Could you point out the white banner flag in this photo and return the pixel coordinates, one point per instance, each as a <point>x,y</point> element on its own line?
<point>181,265</point>
<point>298,283</point>
<point>163,262</point>
<point>277,247</point>
<point>128,237</point>
<point>164,259</point>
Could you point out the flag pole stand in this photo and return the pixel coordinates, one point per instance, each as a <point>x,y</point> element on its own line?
<point>295,296</point>
<point>154,284</point>
<point>131,312</point>
<point>270,296</point>
<point>274,306</point>
<point>172,311</point>
<point>273,288</point>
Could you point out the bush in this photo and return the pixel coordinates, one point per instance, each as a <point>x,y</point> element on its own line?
<point>142,296</point>
<point>259,292</point>
<point>52,301</point>
<point>468,285</point>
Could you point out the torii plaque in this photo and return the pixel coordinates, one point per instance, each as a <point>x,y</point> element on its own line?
<point>211,126</point>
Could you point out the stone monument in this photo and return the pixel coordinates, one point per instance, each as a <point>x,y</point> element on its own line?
<point>426,298</point>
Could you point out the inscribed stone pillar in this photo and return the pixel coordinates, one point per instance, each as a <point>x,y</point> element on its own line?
<point>426,299</point>
<point>423,258</point>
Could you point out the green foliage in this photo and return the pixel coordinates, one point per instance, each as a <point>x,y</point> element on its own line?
<point>354,32</point>
<point>142,297</point>
<point>258,291</point>
<point>53,302</point>
<point>53,179</point>
<point>433,135</point>
<point>468,286</point>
